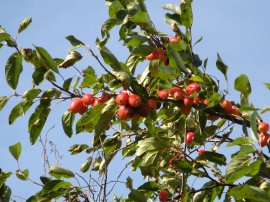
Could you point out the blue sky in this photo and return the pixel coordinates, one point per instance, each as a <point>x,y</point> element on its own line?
<point>238,30</point>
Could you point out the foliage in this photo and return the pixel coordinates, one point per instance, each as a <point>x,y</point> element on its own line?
<point>151,136</point>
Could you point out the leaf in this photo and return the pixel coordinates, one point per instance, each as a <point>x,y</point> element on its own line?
<point>3,34</point>
<point>88,81</point>
<point>74,41</point>
<point>183,165</point>
<point>186,14</point>
<point>242,85</point>
<point>249,192</point>
<point>172,19</point>
<point>267,85</point>
<point>45,59</point>
<point>137,196</point>
<point>236,163</point>
<point>37,121</point>
<point>111,144</point>
<point>110,59</point>
<point>214,157</point>
<point>222,66</point>
<point>173,8</point>
<point>59,172</point>
<point>24,24</point>
<point>85,167</point>
<point>136,40</point>
<point>13,70</point>
<point>22,174</point>
<point>15,150</point>
<point>3,101</point>
<point>4,177</point>
<point>67,122</point>
<point>241,141</point>
<point>149,186</point>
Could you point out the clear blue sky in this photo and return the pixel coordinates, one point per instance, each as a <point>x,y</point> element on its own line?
<point>238,30</point>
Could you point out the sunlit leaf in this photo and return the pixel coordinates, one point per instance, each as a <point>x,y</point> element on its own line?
<point>242,84</point>
<point>24,24</point>
<point>15,150</point>
<point>59,172</point>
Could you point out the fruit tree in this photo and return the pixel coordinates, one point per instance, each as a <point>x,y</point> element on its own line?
<point>161,111</point>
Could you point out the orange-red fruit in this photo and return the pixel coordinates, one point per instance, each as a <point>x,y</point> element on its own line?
<point>83,110</point>
<point>122,98</point>
<point>153,56</point>
<point>189,137</point>
<point>263,139</point>
<point>235,111</point>
<point>143,109</point>
<point>76,105</point>
<point>263,127</point>
<point>206,102</point>
<point>96,101</point>
<point>174,39</point>
<point>185,109</point>
<point>87,99</point>
<point>125,111</point>
<point>227,105</point>
<point>163,94</point>
<point>188,101</point>
<point>197,100</point>
<point>201,152</point>
<point>193,87</point>
<point>163,195</point>
<point>134,100</point>
<point>105,97</point>
<point>174,89</point>
<point>152,104</point>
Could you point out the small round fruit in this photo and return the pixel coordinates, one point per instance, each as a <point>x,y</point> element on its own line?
<point>174,89</point>
<point>263,127</point>
<point>206,102</point>
<point>76,105</point>
<point>163,196</point>
<point>134,100</point>
<point>263,139</point>
<point>152,104</point>
<point>122,98</point>
<point>96,101</point>
<point>188,101</point>
<point>185,109</point>
<point>174,39</point>
<point>143,109</point>
<point>193,87</point>
<point>201,152</point>
<point>163,94</point>
<point>153,56</point>
<point>197,100</point>
<point>227,105</point>
<point>83,110</point>
<point>105,97</point>
<point>189,137</point>
<point>235,111</point>
<point>87,99</point>
<point>125,111</point>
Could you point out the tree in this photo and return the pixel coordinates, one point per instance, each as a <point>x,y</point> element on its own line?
<point>160,118</point>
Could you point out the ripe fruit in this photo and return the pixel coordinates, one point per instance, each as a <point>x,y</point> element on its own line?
<point>122,98</point>
<point>201,152</point>
<point>76,105</point>
<point>263,127</point>
<point>206,102</point>
<point>87,99</point>
<point>185,109</point>
<point>163,195</point>
<point>189,137</point>
<point>162,56</point>
<point>227,105</point>
<point>125,111</point>
<point>174,89</point>
<point>188,101</point>
<point>152,104</point>
<point>197,100</point>
<point>143,109</point>
<point>174,39</point>
<point>193,87</point>
<point>263,139</point>
<point>83,110</point>
<point>96,101</point>
<point>105,97</point>
<point>163,94</point>
<point>134,100</point>
<point>178,95</point>
<point>153,56</point>
<point>213,117</point>
<point>235,111</point>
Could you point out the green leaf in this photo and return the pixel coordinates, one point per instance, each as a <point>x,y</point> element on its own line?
<point>85,167</point>
<point>66,84</point>
<point>214,157</point>
<point>24,24</point>
<point>77,148</point>
<point>39,75</point>
<point>3,34</point>
<point>173,8</point>
<point>88,81</point>
<point>45,59</point>
<point>37,121</point>
<point>253,123</point>
<point>222,66</point>
<point>4,177</point>
<point>204,195</point>
<point>136,40</point>
<point>55,185</point>
<point>111,144</point>
<point>186,14</point>
<point>59,172</point>
<point>241,141</point>
<point>242,85</point>
<point>267,85</point>
<point>110,59</point>
<point>15,150</point>
<point>13,70</point>
<point>249,192</point>
<point>236,163</point>
<point>183,165</point>
<point>137,196</point>
<point>22,174</point>
<point>114,8</point>
<point>3,101</point>
<point>74,41</point>
<point>67,122</point>
<point>148,186</point>
<point>172,19</point>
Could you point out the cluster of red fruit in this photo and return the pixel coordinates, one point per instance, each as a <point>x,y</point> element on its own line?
<point>131,106</point>
<point>163,195</point>
<point>184,94</point>
<point>80,105</point>
<point>263,135</point>
<point>230,108</point>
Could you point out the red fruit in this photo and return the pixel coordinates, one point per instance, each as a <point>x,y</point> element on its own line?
<point>125,111</point>
<point>178,95</point>
<point>143,109</point>
<point>185,109</point>
<point>235,111</point>
<point>83,110</point>
<point>189,137</point>
<point>163,94</point>
<point>152,104</point>
<point>162,56</point>
<point>136,117</point>
<point>174,89</point>
<point>188,101</point>
<point>206,102</point>
<point>201,152</point>
<point>105,97</point>
<point>263,139</point>
<point>174,39</point>
<point>193,87</point>
<point>263,127</point>
<point>96,101</point>
<point>87,99</point>
<point>163,195</point>
<point>197,100</point>
<point>153,56</point>
<point>76,105</point>
<point>122,98</point>
<point>227,105</point>
<point>134,100</point>
<point>213,117</point>
<point>147,88</point>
